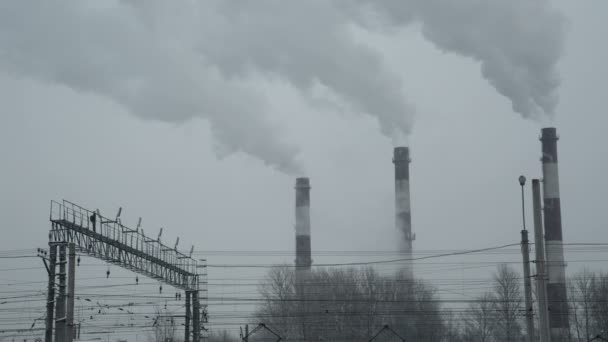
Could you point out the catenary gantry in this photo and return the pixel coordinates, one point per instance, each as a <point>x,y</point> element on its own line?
<point>108,239</point>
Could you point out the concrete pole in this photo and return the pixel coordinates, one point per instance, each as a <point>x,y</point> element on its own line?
<point>188,315</point>
<point>60,307</point>
<point>525,250</point>
<point>541,276</point>
<point>196,319</point>
<point>50,300</point>
<point>556,267</point>
<point>71,292</point>
<point>403,216</point>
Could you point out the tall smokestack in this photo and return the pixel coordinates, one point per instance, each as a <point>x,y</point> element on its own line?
<point>556,267</point>
<point>403,217</point>
<point>303,259</point>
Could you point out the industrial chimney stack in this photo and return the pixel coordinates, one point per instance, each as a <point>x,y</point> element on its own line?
<point>556,267</point>
<point>403,217</point>
<point>303,259</point>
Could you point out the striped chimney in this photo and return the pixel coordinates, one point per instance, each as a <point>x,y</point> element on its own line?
<point>556,267</point>
<point>303,259</point>
<point>403,217</point>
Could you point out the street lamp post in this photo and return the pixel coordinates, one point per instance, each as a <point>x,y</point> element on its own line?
<point>525,250</point>
<point>522,182</point>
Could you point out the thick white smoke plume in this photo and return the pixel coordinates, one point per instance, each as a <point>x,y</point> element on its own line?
<point>118,52</point>
<point>518,42</point>
<point>175,60</point>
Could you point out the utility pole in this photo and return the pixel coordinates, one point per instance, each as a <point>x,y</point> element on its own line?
<point>541,275</point>
<point>188,313</point>
<point>71,291</point>
<point>196,318</point>
<point>50,300</point>
<point>525,250</point>
<point>60,308</point>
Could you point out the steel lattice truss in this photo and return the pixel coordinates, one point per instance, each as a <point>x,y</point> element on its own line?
<point>109,240</point>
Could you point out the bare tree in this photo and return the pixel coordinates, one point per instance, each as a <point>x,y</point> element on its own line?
<point>588,302</point>
<point>279,306</point>
<point>453,329</point>
<point>581,288</point>
<point>507,304</point>
<point>349,304</point>
<point>600,303</point>
<point>480,319</point>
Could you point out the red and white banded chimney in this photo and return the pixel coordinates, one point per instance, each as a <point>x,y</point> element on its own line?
<point>303,258</point>
<point>403,216</point>
<point>556,266</point>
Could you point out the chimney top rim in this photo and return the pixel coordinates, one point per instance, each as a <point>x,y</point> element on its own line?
<point>302,182</point>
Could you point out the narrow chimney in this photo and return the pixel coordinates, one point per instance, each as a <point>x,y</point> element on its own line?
<point>403,217</point>
<point>556,267</point>
<point>303,259</point>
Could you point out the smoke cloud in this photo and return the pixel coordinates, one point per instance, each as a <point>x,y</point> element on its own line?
<point>308,43</point>
<point>178,60</point>
<point>518,42</point>
<point>151,70</point>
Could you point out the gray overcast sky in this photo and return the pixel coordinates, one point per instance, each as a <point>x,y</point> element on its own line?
<point>107,123</point>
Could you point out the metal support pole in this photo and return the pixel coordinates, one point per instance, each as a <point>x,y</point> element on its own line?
<point>196,319</point>
<point>50,300</point>
<point>70,331</point>
<point>525,250</point>
<point>188,315</point>
<point>541,275</point>
<point>60,307</point>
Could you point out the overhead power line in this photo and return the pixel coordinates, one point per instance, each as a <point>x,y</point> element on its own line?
<point>364,263</point>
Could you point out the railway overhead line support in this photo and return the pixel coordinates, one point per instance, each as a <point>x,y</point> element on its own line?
<point>109,240</point>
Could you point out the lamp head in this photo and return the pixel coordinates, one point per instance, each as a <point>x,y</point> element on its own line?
<point>522,180</point>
